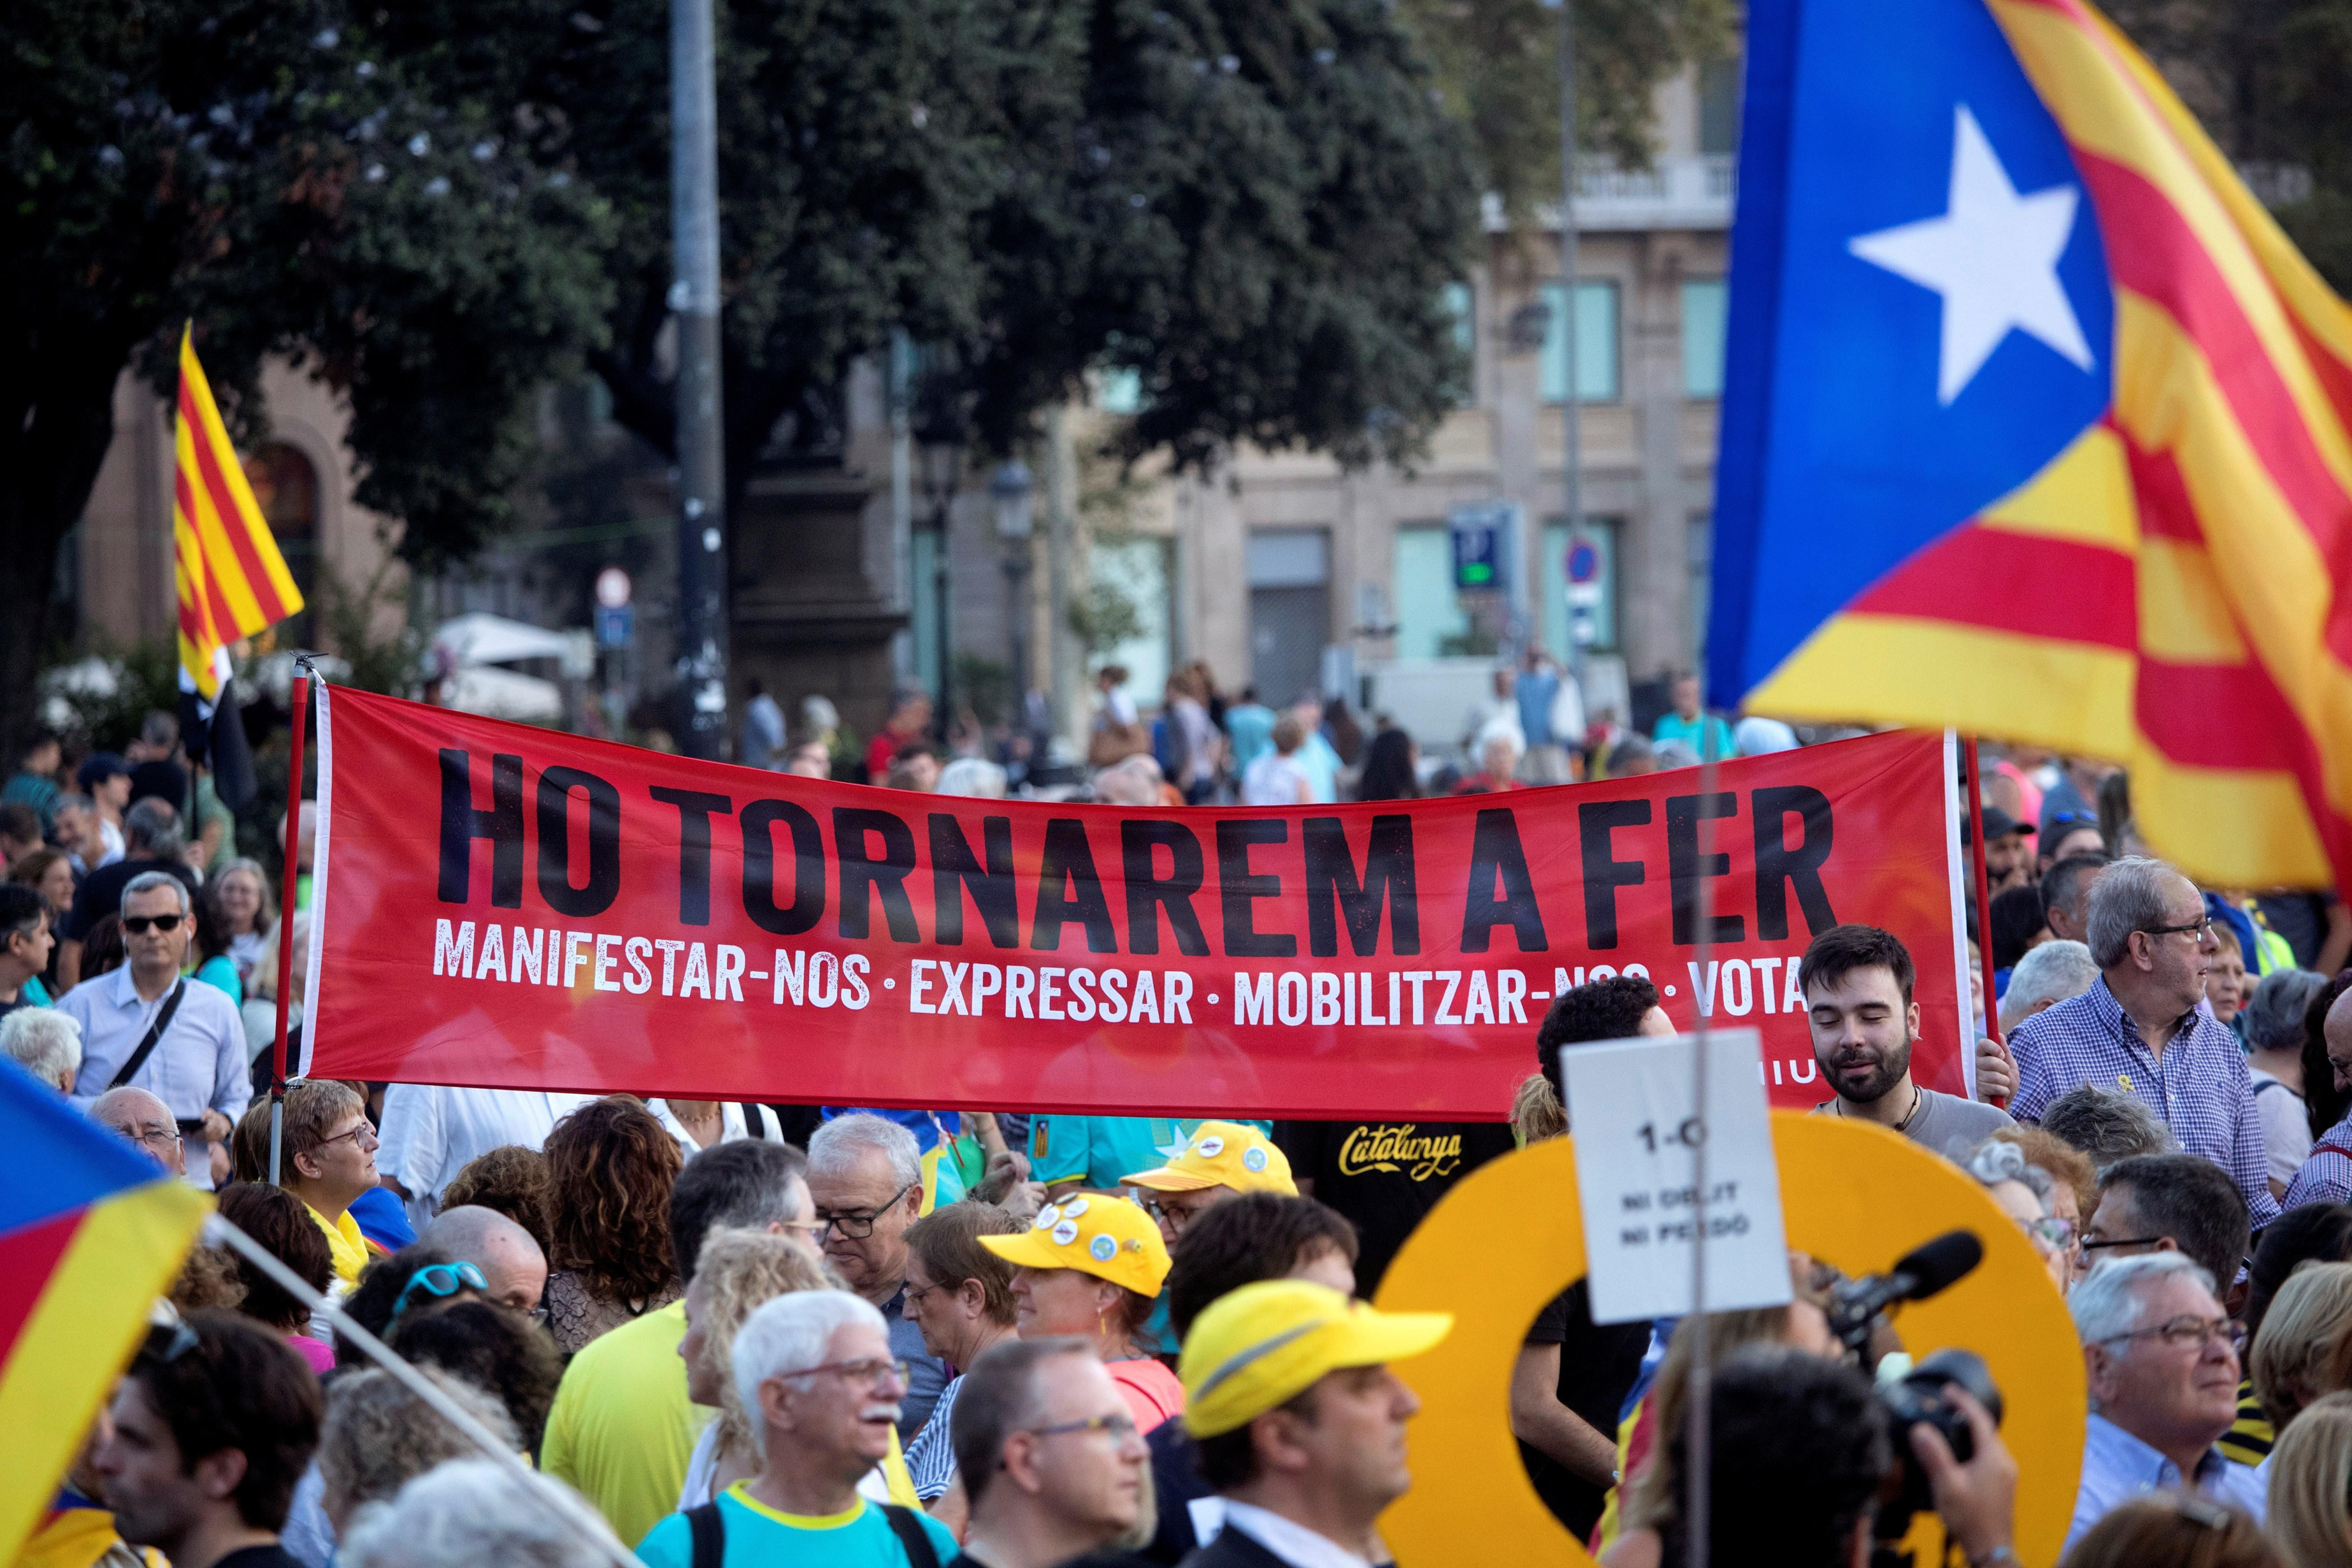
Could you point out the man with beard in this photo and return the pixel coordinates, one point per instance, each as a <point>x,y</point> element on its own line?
<point>1857,981</point>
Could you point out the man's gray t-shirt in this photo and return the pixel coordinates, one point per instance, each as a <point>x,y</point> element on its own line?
<point>1946,1125</point>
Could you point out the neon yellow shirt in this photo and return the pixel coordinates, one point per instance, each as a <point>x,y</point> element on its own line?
<point>345,1242</point>
<point>759,1536</point>
<point>622,1428</point>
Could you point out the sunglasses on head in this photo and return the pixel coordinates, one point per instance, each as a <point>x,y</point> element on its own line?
<point>439,1280</point>
<point>137,923</point>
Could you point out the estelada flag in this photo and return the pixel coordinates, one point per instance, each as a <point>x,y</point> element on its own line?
<point>2034,423</point>
<point>233,581</point>
<point>91,1231</point>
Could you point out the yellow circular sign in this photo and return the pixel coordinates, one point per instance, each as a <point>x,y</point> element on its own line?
<point>1509,1238</point>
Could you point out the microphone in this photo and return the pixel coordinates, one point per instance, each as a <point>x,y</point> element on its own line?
<point>1926,1269</point>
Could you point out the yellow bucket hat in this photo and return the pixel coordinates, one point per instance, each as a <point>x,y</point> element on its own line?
<point>1266,1343</point>
<point>1222,1154</point>
<point>1108,1238</point>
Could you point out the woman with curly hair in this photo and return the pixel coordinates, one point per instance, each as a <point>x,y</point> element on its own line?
<point>510,1179</point>
<point>736,1273</point>
<point>610,1169</point>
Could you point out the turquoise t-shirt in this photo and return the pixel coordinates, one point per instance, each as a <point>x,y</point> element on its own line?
<point>1674,726</point>
<point>1096,1151</point>
<point>759,1536</point>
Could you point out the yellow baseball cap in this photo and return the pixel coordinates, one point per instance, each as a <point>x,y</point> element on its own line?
<point>1266,1343</point>
<point>1108,1238</point>
<point>1222,1154</point>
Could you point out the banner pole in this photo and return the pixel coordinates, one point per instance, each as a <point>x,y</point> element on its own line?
<point>219,1232</point>
<point>288,887</point>
<point>1983,884</point>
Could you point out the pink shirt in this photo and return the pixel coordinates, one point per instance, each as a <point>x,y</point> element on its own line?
<point>1152,1392</point>
<point>321,1356</point>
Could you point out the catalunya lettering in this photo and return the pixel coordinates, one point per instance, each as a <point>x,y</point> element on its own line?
<point>511,906</point>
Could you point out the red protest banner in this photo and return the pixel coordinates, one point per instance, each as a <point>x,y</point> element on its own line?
<point>505,907</point>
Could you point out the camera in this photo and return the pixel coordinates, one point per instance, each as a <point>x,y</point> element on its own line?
<point>1917,1400</point>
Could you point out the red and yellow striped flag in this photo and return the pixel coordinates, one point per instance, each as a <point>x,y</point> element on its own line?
<point>2127,534</point>
<point>232,582</point>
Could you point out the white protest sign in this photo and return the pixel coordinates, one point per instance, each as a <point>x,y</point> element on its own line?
<point>1643,1147</point>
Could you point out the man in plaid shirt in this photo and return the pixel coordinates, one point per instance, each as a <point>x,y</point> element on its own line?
<point>2140,1029</point>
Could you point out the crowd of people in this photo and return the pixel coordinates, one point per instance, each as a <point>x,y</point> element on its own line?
<point>755,1335</point>
<point>1203,746</point>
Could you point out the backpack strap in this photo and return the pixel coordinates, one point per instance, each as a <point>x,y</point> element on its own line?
<point>755,1126</point>
<point>709,1532</point>
<point>907,1526</point>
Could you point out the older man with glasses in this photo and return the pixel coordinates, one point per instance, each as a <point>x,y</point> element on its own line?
<point>2140,1030</point>
<point>145,1026</point>
<point>815,1371</point>
<point>140,1118</point>
<point>866,1176</point>
<point>2162,1361</point>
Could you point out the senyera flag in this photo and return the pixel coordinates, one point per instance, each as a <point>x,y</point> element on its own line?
<point>232,579</point>
<point>90,1232</point>
<point>2034,423</point>
<point>506,906</point>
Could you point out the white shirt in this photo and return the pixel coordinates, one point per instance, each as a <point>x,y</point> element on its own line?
<point>198,1065</point>
<point>431,1132</point>
<point>732,1129</point>
<point>1292,1541</point>
<point>2286,1128</point>
<point>1273,780</point>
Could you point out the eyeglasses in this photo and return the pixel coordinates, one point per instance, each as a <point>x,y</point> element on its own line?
<point>356,1131</point>
<point>2058,1233</point>
<point>439,1280</point>
<point>137,923</point>
<point>2181,1332</point>
<point>2090,1246</point>
<point>915,1296</point>
<point>152,1137</point>
<point>2202,927</point>
<point>1171,1215</point>
<point>870,1371</point>
<point>858,1224</point>
<point>1121,1426</point>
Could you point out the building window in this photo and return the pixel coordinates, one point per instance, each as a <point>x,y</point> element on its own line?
<point>1602,533</point>
<point>1700,544</point>
<point>1706,306</point>
<point>286,488</point>
<point>1596,342</point>
<point>1428,615</point>
<point>1719,107</point>
<point>1462,304</point>
<point>1135,571</point>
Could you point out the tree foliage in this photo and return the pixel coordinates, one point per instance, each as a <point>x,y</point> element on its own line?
<point>1497,63</point>
<point>263,169</point>
<point>2267,78</point>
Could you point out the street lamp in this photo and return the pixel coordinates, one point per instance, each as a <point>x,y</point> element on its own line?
<point>1013,493</point>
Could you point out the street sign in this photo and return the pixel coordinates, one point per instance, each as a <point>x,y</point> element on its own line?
<point>617,624</point>
<point>1584,563</point>
<point>613,588</point>
<point>1478,550</point>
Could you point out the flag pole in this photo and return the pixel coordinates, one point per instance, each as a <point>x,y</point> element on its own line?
<point>285,924</point>
<point>1984,898</point>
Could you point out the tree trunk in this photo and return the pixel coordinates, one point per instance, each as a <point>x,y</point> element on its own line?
<point>57,420</point>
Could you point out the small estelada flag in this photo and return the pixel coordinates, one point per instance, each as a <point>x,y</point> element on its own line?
<point>232,582</point>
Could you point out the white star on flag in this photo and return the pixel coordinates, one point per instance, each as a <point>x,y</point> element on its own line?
<point>1994,257</point>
